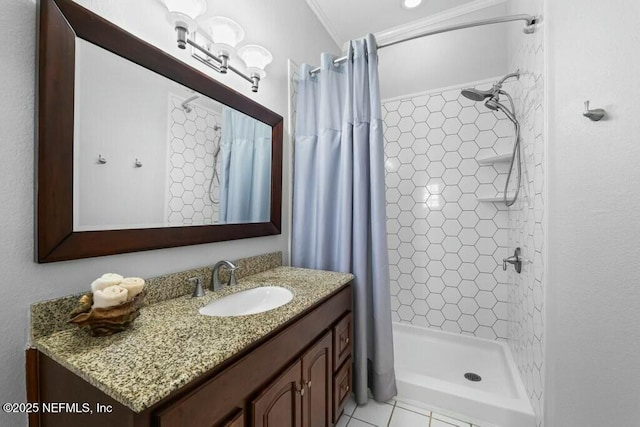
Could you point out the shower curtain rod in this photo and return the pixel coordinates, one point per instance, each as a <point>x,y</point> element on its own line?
<point>529,28</point>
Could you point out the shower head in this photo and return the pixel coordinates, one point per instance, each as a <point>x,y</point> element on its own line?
<point>185,105</point>
<point>477,94</point>
<point>480,95</point>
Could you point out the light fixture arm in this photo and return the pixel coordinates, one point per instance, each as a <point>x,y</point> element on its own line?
<point>222,60</point>
<point>255,83</point>
<point>224,64</point>
<point>182,34</point>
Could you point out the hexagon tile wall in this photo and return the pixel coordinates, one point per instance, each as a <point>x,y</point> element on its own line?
<point>192,139</point>
<point>526,217</point>
<point>446,247</point>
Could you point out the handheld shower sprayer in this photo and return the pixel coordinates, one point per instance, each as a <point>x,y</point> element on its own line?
<point>494,104</point>
<point>491,100</point>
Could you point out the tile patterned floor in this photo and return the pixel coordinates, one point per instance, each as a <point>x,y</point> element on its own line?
<point>394,414</point>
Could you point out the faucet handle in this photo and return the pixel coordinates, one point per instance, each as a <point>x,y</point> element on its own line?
<point>197,291</point>
<point>515,259</point>
<point>232,276</point>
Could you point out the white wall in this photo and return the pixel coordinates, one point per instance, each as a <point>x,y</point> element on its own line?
<point>121,114</point>
<point>446,59</point>
<point>593,299</point>
<point>287,27</point>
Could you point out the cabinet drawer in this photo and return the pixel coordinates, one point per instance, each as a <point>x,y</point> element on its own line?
<point>342,339</point>
<point>341,388</point>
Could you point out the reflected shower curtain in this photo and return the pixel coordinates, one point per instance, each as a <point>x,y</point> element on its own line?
<point>245,169</point>
<point>339,220</point>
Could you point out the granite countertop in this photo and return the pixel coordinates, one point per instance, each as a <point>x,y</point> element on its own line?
<point>171,344</point>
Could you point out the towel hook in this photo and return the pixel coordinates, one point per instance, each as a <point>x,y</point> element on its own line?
<point>594,115</point>
<point>101,160</point>
<point>138,163</point>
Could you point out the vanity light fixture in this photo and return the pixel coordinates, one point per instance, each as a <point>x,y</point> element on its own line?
<point>410,4</point>
<point>215,44</point>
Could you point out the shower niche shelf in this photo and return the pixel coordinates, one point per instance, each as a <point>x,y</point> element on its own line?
<point>500,158</point>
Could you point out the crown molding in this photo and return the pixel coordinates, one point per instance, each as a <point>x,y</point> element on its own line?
<point>416,27</point>
<point>326,22</point>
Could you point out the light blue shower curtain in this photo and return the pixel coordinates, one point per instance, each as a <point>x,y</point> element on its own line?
<point>339,218</point>
<point>245,169</point>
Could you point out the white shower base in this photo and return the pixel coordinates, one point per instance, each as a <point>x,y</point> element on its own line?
<point>430,367</point>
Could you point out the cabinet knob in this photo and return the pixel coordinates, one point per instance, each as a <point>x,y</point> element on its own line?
<point>345,388</point>
<point>307,383</point>
<point>345,340</point>
<point>301,389</point>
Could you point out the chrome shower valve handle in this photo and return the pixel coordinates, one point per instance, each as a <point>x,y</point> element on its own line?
<point>515,259</point>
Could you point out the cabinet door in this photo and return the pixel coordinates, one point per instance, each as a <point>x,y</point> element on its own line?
<point>280,405</point>
<point>316,379</point>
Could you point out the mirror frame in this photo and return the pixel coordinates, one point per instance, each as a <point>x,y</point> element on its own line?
<point>61,21</point>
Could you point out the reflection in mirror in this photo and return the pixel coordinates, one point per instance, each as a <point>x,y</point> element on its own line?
<point>149,152</point>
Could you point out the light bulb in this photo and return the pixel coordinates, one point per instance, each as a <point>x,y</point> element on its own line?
<point>410,4</point>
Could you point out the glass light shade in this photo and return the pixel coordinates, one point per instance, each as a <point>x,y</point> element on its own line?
<point>256,58</point>
<point>185,12</point>
<point>190,8</point>
<point>225,33</point>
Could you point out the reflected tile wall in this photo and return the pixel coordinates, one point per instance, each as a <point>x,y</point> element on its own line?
<point>446,247</point>
<point>192,142</point>
<point>526,217</point>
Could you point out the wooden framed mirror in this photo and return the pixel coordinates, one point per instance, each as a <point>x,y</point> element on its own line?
<point>95,201</point>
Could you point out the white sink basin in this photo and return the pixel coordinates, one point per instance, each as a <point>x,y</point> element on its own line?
<point>251,301</point>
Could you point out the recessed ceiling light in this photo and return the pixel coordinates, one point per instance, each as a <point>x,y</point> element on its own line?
<point>410,4</point>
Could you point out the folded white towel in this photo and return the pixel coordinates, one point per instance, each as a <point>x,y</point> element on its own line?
<point>106,280</point>
<point>132,284</point>
<point>109,297</point>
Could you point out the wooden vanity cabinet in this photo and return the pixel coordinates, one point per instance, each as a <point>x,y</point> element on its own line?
<point>288,378</point>
<point>301,396</point>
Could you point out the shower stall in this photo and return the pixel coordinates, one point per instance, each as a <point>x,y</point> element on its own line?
<point>448,232</point>
<point>464,188</point>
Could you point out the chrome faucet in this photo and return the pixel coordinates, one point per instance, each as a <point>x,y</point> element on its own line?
<point>215,275</point>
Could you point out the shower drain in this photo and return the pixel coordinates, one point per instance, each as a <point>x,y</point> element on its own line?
<point>473,377</point>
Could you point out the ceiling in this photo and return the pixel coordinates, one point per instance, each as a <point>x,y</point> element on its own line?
<point>352,19</point>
